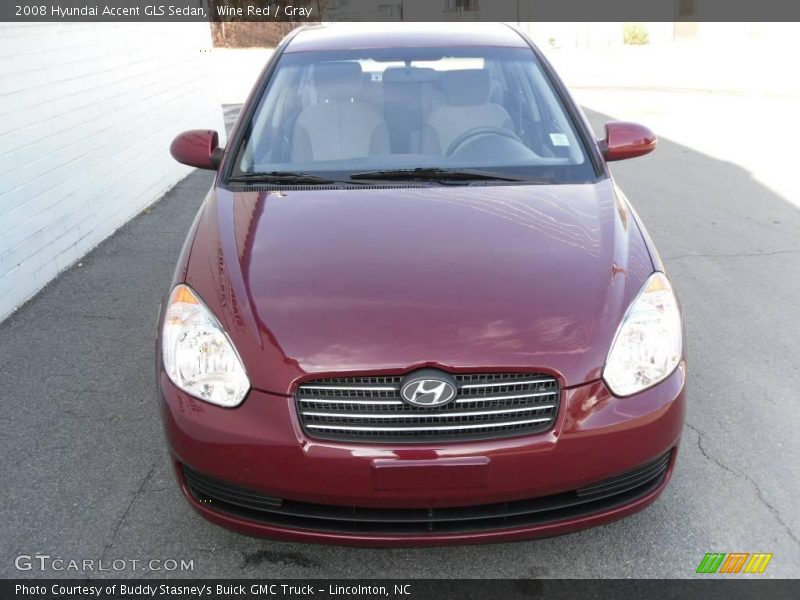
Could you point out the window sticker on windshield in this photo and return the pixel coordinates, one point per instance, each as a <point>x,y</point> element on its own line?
<point>559,139</point>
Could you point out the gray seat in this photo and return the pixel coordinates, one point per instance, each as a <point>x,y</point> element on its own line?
<point>408,97</point>
<point>467,105</point>
<point>338,126</point>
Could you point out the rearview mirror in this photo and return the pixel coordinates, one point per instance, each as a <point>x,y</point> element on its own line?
<point>626,140</point>
<point>197,148</point>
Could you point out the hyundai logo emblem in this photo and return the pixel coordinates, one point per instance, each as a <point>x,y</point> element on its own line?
<point>428,388</point>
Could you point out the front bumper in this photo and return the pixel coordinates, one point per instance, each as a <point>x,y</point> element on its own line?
<point>260,446</point>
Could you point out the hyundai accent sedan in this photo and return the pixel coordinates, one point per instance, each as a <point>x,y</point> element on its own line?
<point>414,307</point>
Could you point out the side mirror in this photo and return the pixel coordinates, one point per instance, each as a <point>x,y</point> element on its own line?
<point>626,140</point>
<point>197,148</point>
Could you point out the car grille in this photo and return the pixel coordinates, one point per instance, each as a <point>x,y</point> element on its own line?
<point>610,493</point>
<point>487,406</point>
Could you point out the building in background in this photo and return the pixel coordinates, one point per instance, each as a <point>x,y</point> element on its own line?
<point>87,114</point>
<point>680,19</point>
<point>599,35</point>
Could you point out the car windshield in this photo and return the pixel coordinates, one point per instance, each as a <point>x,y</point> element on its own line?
<point>411,113</point>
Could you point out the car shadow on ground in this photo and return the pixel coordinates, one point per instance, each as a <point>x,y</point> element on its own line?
<point>86,474</point>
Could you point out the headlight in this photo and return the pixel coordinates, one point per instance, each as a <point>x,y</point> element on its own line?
<point>198,356</point>
<point>648,344</point>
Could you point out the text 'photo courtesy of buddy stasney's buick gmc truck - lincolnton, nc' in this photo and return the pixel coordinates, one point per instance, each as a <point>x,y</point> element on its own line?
<point>414,307</point>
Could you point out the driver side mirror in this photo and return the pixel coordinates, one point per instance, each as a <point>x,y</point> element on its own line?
<point>626,140</point>
<point>197,148</point>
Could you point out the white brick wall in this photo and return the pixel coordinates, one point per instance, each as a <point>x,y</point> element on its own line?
<point>87,113</point>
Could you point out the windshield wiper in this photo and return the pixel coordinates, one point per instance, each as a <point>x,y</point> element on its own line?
<point>418,174</point>
<point>288,177</point>
<point>436,174</point>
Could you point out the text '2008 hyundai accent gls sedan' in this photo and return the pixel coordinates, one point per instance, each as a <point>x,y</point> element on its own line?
<point>414,307</point>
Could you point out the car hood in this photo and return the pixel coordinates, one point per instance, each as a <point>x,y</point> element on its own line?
<point>316,281</point>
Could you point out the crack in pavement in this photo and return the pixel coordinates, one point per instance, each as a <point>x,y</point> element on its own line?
<point>273,557</point>
<point>741,255</point>
<point>775,512</point>
<point>122,518</point>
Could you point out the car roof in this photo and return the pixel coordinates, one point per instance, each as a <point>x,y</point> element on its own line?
<point>352,36</point>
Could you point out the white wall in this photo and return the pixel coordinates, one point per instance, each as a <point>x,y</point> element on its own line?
<point>87,113</point>
<point>236,71</point>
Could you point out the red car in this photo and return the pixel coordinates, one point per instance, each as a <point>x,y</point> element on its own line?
<point>414,307</point>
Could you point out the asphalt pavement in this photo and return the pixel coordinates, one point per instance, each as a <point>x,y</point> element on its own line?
<point>85,474</point>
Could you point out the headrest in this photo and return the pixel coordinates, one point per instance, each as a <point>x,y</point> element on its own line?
<point>467,87</point>
<point>338,80</point>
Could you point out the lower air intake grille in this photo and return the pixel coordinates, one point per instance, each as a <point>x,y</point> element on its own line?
<point>487,406</point>
<point>231,499</point>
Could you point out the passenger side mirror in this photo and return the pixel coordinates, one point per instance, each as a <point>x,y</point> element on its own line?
<point>197,148</point>
<point>626,140</point>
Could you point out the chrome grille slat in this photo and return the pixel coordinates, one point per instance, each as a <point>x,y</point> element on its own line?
<point>487,406</point>
<point>324,400</point>
<point>511,397</point>
<point>436,428</point>
<point>429,415</point>
<point>489,385</point>
<point>345,388</point>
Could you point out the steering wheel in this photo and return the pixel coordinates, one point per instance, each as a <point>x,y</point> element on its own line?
<point>478,131</point>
